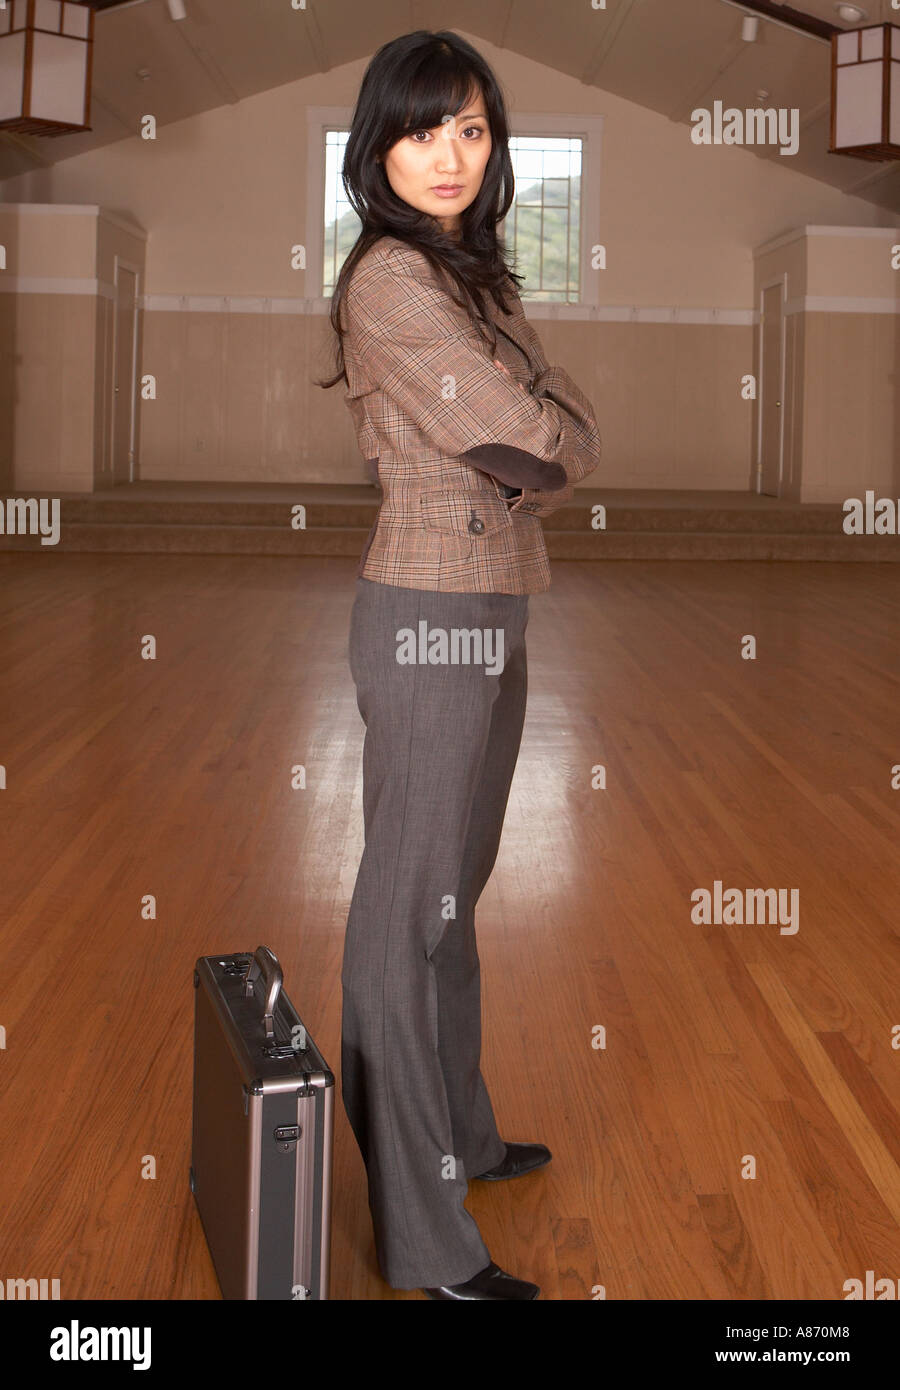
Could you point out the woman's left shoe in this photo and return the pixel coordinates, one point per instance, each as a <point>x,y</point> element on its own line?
<point>520,1158</point>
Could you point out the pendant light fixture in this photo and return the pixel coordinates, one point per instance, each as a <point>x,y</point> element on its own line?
<point>865,92</point>
<point>45,66</point>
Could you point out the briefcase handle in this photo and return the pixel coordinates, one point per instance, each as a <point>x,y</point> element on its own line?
<point>274,979</point>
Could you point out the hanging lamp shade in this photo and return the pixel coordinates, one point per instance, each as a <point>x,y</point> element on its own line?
<point>865,92</point>
<point>45,66</point>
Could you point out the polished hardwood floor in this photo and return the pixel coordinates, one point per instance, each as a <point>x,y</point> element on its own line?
<point>737,1136</point>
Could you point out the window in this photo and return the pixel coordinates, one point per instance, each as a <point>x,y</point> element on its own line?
<point>545,228</point>
<point>342,226</point>
<point>543,225</point>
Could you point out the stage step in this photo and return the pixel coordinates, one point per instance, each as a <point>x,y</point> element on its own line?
<point>257,520</point>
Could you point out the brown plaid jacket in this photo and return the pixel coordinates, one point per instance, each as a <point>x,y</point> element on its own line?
<point>450,435</point>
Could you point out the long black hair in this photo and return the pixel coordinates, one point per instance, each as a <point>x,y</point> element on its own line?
<point>412,84</point>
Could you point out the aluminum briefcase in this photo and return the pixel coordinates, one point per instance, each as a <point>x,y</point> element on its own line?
<point>263,1115</point>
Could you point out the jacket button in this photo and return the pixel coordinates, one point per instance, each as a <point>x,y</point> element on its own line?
<point>476,525</point>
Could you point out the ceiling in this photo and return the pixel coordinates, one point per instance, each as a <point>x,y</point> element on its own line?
<point>669,55</point>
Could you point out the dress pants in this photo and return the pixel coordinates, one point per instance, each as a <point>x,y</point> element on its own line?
<point>440,750</point>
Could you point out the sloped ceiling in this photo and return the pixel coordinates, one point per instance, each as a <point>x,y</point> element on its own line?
<point>669,55</point>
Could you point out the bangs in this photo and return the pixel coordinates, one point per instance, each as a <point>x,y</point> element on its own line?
<point>441,87</point>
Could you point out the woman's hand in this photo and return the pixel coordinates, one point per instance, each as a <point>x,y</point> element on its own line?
<point>504,368</point>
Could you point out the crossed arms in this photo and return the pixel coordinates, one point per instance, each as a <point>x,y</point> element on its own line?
<point>411,337</point>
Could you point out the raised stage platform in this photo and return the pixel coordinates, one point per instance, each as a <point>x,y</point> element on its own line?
<point>256,519</point>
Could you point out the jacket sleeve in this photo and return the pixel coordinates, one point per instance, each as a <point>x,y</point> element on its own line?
<point>423,351</point>
<point>552,383</point>
<point>555,384</point>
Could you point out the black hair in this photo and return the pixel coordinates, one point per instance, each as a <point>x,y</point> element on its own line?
<point>413,83</point>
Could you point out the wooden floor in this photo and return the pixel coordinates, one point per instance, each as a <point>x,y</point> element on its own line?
<point>726,1045</point>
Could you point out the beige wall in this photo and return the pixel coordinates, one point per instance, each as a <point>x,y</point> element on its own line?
<point>56,344</point>
<point>851,425</point>
<point>842,360</point>
<point>851,436</point>
<point>222,197</point>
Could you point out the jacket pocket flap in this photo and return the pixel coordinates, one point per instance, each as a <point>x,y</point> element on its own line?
<point>464,513</point>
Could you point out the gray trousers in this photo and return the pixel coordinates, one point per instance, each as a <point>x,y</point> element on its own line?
<point>440,750</point>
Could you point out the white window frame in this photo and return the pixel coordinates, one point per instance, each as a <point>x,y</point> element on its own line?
<point>588,128</point>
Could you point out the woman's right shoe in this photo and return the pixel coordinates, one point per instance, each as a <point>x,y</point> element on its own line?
<point>489,1283</point>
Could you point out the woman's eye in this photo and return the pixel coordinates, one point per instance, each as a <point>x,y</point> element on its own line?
<point>475,128</point>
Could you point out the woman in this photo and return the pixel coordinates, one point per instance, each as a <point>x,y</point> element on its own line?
<point>474,438</point>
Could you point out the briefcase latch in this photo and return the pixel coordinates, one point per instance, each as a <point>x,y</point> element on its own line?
<point>286,1135</point>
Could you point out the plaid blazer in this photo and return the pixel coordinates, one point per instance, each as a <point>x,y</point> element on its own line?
<point>468,463</point>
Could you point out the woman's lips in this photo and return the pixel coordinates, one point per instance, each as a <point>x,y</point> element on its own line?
<point>447,192</point>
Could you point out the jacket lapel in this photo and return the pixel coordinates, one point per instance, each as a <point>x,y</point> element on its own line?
<point>516,327</point>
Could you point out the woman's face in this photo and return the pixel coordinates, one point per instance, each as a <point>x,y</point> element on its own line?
<point>454,153</point>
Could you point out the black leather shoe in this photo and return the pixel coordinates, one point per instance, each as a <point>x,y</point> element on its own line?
<point>520,1158</point>
<point>490,1283</point>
